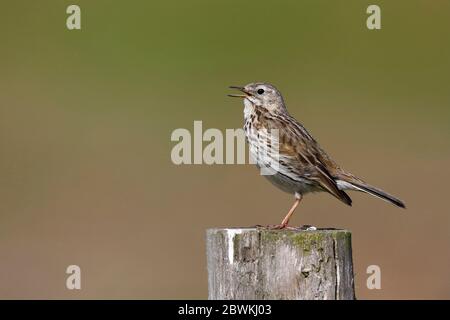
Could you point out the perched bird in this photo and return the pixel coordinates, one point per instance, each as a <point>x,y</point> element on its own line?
<point>299,164</point>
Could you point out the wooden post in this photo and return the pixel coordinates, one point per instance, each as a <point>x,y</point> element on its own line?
<point>254,263</point>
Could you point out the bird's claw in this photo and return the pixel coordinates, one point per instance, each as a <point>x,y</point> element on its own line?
<point>286,227</point>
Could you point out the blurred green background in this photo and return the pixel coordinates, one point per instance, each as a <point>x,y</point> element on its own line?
<point>86,118</point>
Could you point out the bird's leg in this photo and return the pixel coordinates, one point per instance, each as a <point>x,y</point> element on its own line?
<point>284,223</point>
<point>298,198</point>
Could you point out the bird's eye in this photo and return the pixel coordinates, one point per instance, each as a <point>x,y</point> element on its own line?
<point>260,91</point>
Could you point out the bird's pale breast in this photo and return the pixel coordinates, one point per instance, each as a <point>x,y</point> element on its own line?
<point>264,148</point>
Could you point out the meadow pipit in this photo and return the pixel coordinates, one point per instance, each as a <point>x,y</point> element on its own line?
<point>302,166</point>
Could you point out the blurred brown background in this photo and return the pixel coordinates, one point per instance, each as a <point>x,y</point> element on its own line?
<point>86,118</point>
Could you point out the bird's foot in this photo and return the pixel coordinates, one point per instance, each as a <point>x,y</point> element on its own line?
<point>286,227</point>
<point>277,227</point>
<point>271,226</point>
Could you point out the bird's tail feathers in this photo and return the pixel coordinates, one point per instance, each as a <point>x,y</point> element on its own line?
<point>353,184</point>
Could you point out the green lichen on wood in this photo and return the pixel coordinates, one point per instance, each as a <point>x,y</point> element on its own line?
<point>268,236</point>
<point>343,237</point>
<point>306,240</point>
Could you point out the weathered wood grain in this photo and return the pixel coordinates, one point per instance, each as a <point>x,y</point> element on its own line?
<point>253,263</point>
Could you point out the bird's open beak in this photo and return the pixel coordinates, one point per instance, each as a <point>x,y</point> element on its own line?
<point>246,94</point>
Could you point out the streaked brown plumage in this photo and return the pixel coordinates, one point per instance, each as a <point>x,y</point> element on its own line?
<point>299,165</point>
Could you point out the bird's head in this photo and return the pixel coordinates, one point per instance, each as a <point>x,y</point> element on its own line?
<point>262,95</point>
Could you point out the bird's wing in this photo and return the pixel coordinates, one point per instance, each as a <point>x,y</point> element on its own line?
<point>306,158</point>
<point>324,177</point>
